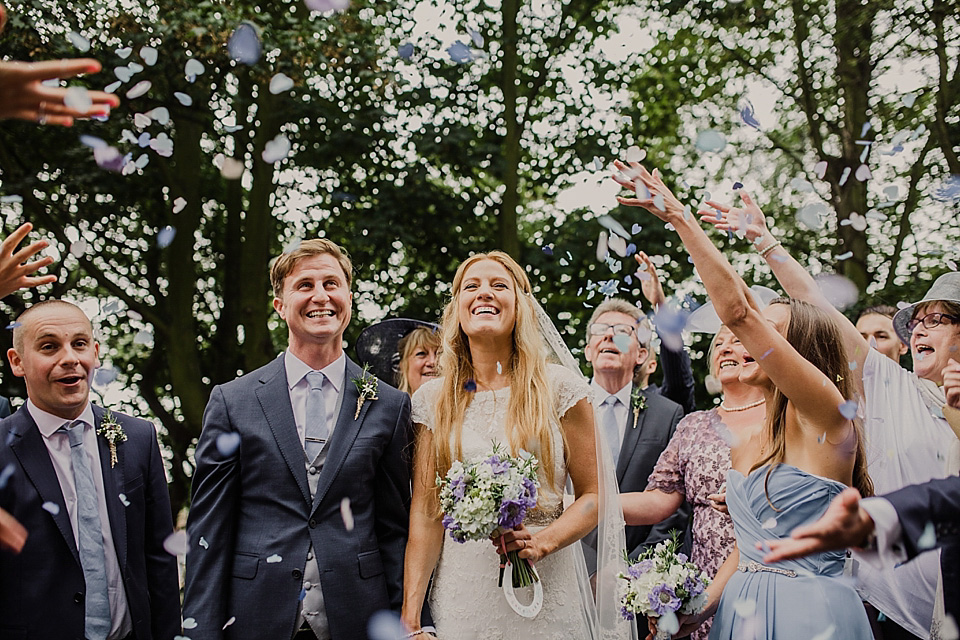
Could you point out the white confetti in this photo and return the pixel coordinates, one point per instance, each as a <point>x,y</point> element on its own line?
<point>229,622</point>
<point>124,53</point>
<point>192,69</point>
<point>123,499</point>
<point>274,559</point>
<point>711,140</point>
<point>769,523</point>
<point>635,154</point>
<point>276,150</point>
<point>78,98</point>
<point>228,443</point>
<point>184,99</point>
<point>863,173</point>
<point>179,204</point>
<point>139,89</point>
<point>280,83</point>
<point>928,539</point>
<point>232,168</point>
<point>51,507</point>
<point>149,55</point>
<point>161,115</point>
<point>820,169</point>
<point>176,543</point>
<point>346,513</point>
<point>166,236</point>
<point>203,543</point>
<point>82,44</point>
<point>189,623</point>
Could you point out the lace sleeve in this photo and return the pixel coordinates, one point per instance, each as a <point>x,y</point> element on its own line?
<point>568,388</point>
<point>424,404</point>
<point>668,474</point>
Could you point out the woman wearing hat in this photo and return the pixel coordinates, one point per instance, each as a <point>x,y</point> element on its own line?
<point>909,440</point>
<point>400,351</point>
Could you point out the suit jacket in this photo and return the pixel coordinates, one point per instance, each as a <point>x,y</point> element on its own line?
<point>255,504</point>
<point>678,383</point>
<point>936,502</point>
<point>4,406</point>
<point>641,448</point>
<point>42,587</point>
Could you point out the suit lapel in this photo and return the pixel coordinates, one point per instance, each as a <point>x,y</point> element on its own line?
<point>344,433</point>
<point>113,484</point>
<point>274,397</point>
<point>630,437</point>
<point>35,460</point>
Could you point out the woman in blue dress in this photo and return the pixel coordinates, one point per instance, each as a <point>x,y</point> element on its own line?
<point>785,474</point>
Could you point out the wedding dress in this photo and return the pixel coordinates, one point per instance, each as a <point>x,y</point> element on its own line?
<point>465,600</point>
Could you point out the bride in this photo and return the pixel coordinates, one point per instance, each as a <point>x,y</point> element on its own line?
<point>497,386</point>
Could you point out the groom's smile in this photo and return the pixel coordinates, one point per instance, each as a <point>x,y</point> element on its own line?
<point>316,302</point>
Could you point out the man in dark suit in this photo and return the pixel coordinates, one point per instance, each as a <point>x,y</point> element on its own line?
<point>637,424</point>
<point>96,509</point>
<point>896,527</point>
<point>302,489</point>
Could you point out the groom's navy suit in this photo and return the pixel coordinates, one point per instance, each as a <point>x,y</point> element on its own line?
<point>253,518</point>
<point>42,587</point>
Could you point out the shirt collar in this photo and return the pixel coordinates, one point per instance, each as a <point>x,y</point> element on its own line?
<point>335,372</point>
<point>623,395</point>
<point>49,423</point>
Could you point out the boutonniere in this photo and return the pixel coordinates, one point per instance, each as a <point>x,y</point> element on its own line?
<point>112,431</point>
<point>366,387</point>
<point>639,402</point>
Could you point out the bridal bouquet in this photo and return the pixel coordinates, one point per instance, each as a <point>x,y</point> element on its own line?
<point>662,583</point>
<point>488,496</point>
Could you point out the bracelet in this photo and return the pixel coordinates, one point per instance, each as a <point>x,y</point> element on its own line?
<point>773,245</point>
<point>422,630</point>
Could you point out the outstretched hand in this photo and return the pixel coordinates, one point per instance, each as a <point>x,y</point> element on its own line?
<point>649,280</point>
<point>651,193</point>
<point>749,218</point>
<point>12,533</point>
<point>14,269</point>
<point>843,525</point>
<point>24,96</point>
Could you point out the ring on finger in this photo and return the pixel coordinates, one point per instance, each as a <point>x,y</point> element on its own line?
<point>42,115</point>
<point>524,544</point>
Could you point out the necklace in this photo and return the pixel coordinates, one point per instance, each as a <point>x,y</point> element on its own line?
<point>744,407</point>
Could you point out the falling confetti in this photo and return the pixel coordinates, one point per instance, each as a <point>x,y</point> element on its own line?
<point>163,145</point>
<point>608,222</point>
<point>123,500</point>
<point>203,543</point>
<point>405,51</point>
<point>110,158</point>
<point>138,89</point>
<point>949,190</point>
<point>748,114</point>
<point>79,42</point>
<point>927,540</point>
<point>476,37</point>
<point>711,140</point>
<point>166,236</point>
<point>327,5</point>
<point>228,443</point>
<point>863,173</point>
<point>176,543</point>
<point>51,507</point>
<point>844,176</point>
<point>148,55</point>
<point>189,623</point>
<point>5,474</point>
<point>244,44</point>
<point>280,82</point>
<point>386,625</point>
<point>635,154</point>
<point>848,410</point>
<point>622,342</point>
<point>183,98</point>
<point>229,622</point>
<point>820,169</point>
<point>766,353</point>
<point>769,523</point>
<point>470,385</point>
<point>811,215</point>
<point>908,99</point>
<point>192,69</point>
<point>823,438</point>
<point>232,168</point>
<point>160,115</point>
<point>499,368</point>
<point>274,559</point>
<point>276,150</point>
<point>460,52</point>
<point>602,248</point>
<point>124,53</point>
<point>840,291</point>
<point>346,514</point>
<point>104,376</point>
<point>78,98</point>
<point>179,204</point>
<point>845,256</point>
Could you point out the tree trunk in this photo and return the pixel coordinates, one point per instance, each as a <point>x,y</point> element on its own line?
<point>507,220</point>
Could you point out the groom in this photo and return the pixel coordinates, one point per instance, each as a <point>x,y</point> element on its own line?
<point>302,488</point>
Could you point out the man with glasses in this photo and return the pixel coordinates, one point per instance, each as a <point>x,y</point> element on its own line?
<point>637,423</point>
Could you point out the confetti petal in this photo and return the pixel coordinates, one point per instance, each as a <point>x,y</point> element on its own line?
<point>163,145</point>
<point>811,216</point>
<point>143,337</point>
<point>820,169</point>
<point>863,173</point>
<point>51,507</point>
<point>844,176</point>
<point>184,99</point>
<point>232,168</point>
<point>280,82</point>
<point>149,55</point>
<point>769,523</point>
<point>104,376</point>
<point>142,120</point>
<point>123,74</point>
<point>327,5</point>
<point>460,52</point>
<point>346,514</point>
<point>470,385</point>
<point>244,44</point>
<point>927,540</point>
<point>176,543</point>
<point>229,622</point>
<point>405,50</point>
<point>123,500</point>
<point>711,141</point>
<point>6,474</point>
<point>635,154</point>
<point>840,291</point>
<point>179,204</point>
<point>386,625</point>
<point>276,150</point>
<point>274,559</point>
<point>748,114</point>
<point>189,623</point>
<point>848,410</point>
<point>78,98</point>
<point>138,89</point>
<point>124,52</point>
<point>79,42</point>
<point>160,115</point>
<point>165,236</point>
<point>192,69</point>
<point>228,443</point>
<point>908,99</point>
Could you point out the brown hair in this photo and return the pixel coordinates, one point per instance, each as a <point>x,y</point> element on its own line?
<point>816,337</point>
<point>421,337</point>
<point>530,412</point>
<point>287,262</point>
<point>879,310</point>
<point>950,308</point>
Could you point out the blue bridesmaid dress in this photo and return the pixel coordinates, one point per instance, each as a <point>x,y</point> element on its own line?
<point>803,599</point>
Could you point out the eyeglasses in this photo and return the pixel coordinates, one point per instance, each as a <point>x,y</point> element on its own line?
<point>599,329</point>
<point>932,320</point>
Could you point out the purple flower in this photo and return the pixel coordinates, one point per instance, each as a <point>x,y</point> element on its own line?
<point>498,466</point>
<point>663,599</point>
<point>682,558</point>
<point>637,570</point>
<point>626,613</point>
<point>512,513</point>
<point>531,489</point>
<point>693,586</point>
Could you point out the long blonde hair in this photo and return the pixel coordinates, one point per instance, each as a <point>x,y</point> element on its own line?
<point>816,337</point>
<point>530,412</point>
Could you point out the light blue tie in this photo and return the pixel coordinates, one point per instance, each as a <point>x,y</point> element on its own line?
<point>611,428</point>
<point>90,537</point>
<point>315,426</point>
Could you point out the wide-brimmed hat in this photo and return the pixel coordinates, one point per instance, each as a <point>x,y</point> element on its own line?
<point>378,345</point>
<point>705,319</point>
<point>946,288</point>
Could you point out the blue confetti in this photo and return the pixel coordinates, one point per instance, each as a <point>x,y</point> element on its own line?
<point>244,44</point>
<point>766,353</point>
<point>13,325</point>
<point>949,191</point>
<point>165,237</point>
<point>547,249</point>
<point>848,409</point>
<point>631,249</point>
<point>405,51</point>
<point>460,52</point>
<point>5,475</point>
<point>470,385</point>
<point>635,228</point>
<point>737,185</point>
<point>228,443</point>
<point>748,114</point>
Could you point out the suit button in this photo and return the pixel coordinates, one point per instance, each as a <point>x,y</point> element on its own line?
<point>296,573</point>
<point>313,523</point>
<point>314,471</point>
<point>78,597</point>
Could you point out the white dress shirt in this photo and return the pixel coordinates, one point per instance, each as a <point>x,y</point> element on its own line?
<point>620,409</point>
<point>334,375</point>
<point>58,446</point>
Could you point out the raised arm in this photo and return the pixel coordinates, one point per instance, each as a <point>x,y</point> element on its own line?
<point>805,385</point>
<point>792,276</point>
